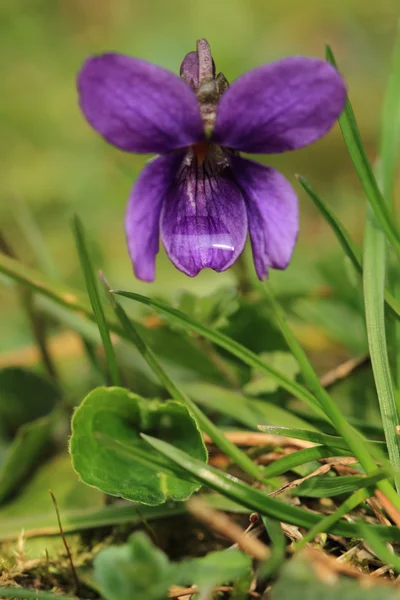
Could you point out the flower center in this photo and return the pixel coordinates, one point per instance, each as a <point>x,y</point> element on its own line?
<point>200,151</point>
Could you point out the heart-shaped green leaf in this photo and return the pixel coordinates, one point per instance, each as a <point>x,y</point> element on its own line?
<point>117,415</point>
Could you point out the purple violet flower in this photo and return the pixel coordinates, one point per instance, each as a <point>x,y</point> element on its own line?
<point>200,195</point>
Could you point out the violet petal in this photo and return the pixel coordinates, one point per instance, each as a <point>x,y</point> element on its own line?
<point>281,106</point>
<point>189,70</point>
<point>203,219</point>
<point>272,213</point>
<point>142,222</point>
<point>138,106</point>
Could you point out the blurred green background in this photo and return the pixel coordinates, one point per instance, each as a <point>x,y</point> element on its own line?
<point>52,162</point>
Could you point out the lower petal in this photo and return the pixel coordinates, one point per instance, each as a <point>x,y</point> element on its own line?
<point>142,221</point>
<point>204,220</point>
<point>272,214</point>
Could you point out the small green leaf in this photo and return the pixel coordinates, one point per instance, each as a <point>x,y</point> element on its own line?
<point>121,416</point>
<point>135,570</point>
<point>214,309</point>
<point>24,397</point>
<point>213,569</point>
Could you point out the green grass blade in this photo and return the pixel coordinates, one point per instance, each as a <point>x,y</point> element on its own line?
<point>34,238</point>
<point>390,126</point>
<point>353,438</point>
<point>78,520</point>
<point>327,523</point>
<point>380,548</point>
<point>95,300</point>
<point>346,431</point>
<point>278,551</point>
<point>331,441</point>
<point>339,230</point>
<point>218,338</point>
<point>64,300</point>
<point>238,457</point>
<point>325,486</point>
<point>14,592</point>
<point>374,280</point>
<point>257,500</point>
<point>389,154</point>
<point>344,239</point>
<point>375,272</point>
<point>301,457</point>
<point>249,411</point>
<point>351,134</point>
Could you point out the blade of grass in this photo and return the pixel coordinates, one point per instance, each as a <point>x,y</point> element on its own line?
<point>390,125</point>
<point>38,525</point>
<point>248,410</point>
<point>353,438</point>
<point>379,222</point>
<point>379,547</point>
<point>340,231</point>
<point>71,308</point>
<point>344,239</point>
<point>44,259</point>
<point>352,138</point>
<point>332,441</point>
<point>257,500</point>
<point>327,523</point>
<point>34,238</point>
<point>14,592</point>
<point>95,300</point>
<point>374,280</point>
<point>389,154</point>
<point>272,564</point>
<point>36,321</point>
<point>218,338</point>
<point>301,457</point>
<point>325,486</point>
<point>238,457</point>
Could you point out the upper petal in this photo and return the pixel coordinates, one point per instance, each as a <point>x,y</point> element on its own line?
<point>281,106</point>
<point>203,218</point>
<point>272,213</point>
<point>142,222</point>
<point>138,106</point>
<point>189,70</point>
